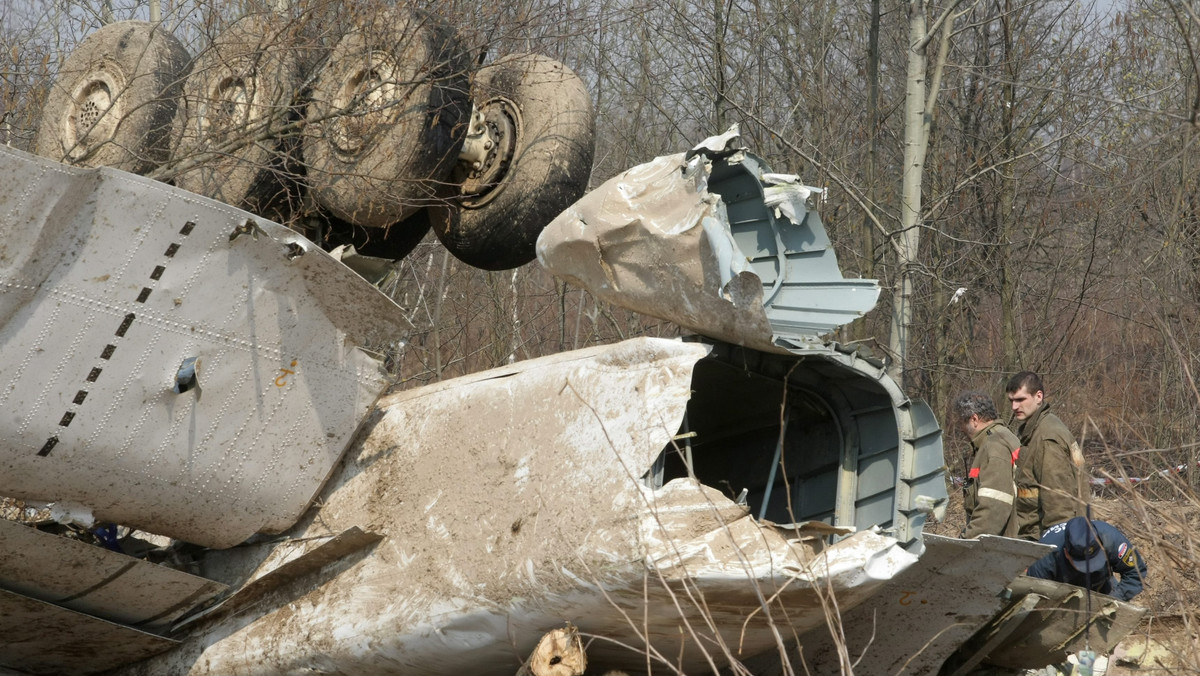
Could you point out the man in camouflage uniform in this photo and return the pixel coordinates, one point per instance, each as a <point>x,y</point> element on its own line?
<point>989,489</point>
<point>1050,472</point>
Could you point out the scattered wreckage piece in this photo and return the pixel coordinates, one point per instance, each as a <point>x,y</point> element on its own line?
<point>922,615</point>
<point>169,362</point>
<point>713,241</point>
<point>1044,623</point>
<point>70,607</point>
<point>45,639</point>
<point>98,581</point>
<point>962,607</point>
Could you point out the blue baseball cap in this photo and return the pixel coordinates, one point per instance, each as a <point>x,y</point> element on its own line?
<point>1083,548</point>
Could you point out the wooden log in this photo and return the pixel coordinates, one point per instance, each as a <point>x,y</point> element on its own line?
<point>559,653</point>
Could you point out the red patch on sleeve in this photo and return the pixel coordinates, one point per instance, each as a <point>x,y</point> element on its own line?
<point>1016,454</point>
<point>974,473</point>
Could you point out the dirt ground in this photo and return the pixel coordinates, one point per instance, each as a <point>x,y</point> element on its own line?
<point>1168,639</point>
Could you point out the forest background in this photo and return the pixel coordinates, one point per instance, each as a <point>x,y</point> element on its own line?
<point>1051,143</point>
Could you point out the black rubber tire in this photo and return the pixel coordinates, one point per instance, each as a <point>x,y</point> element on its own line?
<point>495,225</point>
<point>395,241</point>
<point>388,114</point>
<point>239,100</point>
<point>115,98</point>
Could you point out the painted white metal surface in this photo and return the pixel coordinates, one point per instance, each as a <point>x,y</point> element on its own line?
<point>512,501</point>
<point>109,283</point>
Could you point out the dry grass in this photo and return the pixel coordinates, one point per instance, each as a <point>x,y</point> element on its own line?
<point>1162,518</point>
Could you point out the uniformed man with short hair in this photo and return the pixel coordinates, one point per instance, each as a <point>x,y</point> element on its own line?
<point>1088,555</point>
<point>1050,472</point>
<point>989,489</point>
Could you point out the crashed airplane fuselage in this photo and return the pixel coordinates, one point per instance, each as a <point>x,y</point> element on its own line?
<point>686,503</point>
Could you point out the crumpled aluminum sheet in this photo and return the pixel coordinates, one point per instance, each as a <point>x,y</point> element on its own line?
<point>713,241</point>
<point>752,267</point>
<point>113,288</point>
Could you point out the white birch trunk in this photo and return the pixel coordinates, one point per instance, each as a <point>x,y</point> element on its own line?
<point>908,240</point>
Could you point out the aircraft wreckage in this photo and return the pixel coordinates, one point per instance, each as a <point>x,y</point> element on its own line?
<point>185,369</point>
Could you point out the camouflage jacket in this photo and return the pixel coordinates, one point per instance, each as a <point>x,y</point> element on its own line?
<point>1050,474</point>
<point>989,491</point>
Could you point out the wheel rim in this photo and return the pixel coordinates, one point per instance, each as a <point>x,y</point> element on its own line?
<point>227,107</point>
<point>94,114</point>
<point>366,101</point>
<point>481,184</point>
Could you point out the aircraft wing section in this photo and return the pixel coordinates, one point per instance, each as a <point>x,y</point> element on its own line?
<point>169,362</point>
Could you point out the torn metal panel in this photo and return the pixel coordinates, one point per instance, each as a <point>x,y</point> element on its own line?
<point>923,614</point>
<point>288,561</point>
<point>712,241</point>
<point>42,638</point>
<point>557,523</point>
<point>1058,625</point>
<point>995,632</point>
<point>170,362</point>
<point>95,580</point>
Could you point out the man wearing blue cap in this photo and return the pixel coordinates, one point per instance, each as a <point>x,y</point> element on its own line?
<point>1088,555</point>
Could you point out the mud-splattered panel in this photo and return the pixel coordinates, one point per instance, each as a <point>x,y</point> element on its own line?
<point>95,580</point>
<point>169,362</point>
<point>41,638</point>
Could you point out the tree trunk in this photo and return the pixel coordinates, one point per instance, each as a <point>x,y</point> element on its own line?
<point>720,103</point>
<point>1007,202</point>
<point>907,241</point>
<point>867,236</point>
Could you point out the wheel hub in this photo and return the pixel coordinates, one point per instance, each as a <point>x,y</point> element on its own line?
<point>366,102</point>
<point>483,175</point>
<point>93,117</point>
<point>228,106</point>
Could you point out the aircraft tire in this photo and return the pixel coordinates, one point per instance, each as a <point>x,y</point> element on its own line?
<point>387,118</point>
<point>540,113</point>
<point>115,98</point>
<point>239,100</point>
